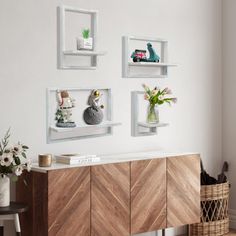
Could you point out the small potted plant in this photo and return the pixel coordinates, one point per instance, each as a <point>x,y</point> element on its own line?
<point>13,161</point>
<point>85,42</point>
<point>156,97</point>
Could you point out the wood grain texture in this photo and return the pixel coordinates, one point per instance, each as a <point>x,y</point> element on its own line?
<point>69,202</point>
<point>24,194</point>
<point>148,195</point>
<point>183,190</point>
<point>110,191</point>
<point>34,193</point>
<point>40,204</point>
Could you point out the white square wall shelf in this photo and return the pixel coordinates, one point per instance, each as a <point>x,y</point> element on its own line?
<point>82,130</point>
<point>132,69</point>
<point>139,126</point>
<point>72,58</point>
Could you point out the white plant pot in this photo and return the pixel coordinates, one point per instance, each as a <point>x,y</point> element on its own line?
<point>84,44</point>
<point>4,191</point>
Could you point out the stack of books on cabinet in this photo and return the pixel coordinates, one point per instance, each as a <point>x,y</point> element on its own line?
<point>75,159</point>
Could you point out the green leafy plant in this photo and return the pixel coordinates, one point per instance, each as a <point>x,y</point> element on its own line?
<point>85,33</point>
<point>13,159</point>
<point>158,96</point>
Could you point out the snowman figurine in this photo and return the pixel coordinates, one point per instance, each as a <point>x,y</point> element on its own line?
<point>93,114</point>
<point>64,111</point>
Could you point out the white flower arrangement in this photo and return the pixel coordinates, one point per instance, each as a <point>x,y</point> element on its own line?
<point>13,159</point>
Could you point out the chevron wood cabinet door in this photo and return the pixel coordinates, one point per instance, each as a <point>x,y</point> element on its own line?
<point>69,202</point>
<point>148,195</point>
<point>183,190</point>
<point>59,202</point>
<point>110,199</point>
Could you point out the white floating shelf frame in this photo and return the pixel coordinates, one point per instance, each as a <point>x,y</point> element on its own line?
<point>83,53</point>
<point>127,64</point>
<point>141,128</point>
<point>78,128</point>
<point>56,134</point>
<point>62,52</point>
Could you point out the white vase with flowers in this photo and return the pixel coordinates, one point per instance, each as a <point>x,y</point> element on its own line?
<point>13,161</point>
<point>156,97</point>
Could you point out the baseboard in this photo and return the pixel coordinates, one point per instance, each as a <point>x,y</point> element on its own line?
<point>232,218</point>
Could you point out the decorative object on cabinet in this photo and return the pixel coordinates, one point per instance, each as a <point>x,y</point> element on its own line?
<point>156,97</point>
<point>81,130</point>
<point>75,159</point>
<point>73,58</point>
<point>85,42</point>
<point>13,160</point>
<point>93,114</point>
<point>147,67</point>
<point>64,110</point>
<point>45,160</point>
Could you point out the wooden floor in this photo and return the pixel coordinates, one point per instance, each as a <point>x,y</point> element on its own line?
<point>232,233</point>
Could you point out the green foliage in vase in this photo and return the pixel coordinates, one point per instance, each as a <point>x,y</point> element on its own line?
<point>86,33</point>
<point>158,96</point>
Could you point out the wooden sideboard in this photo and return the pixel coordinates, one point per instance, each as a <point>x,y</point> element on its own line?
<point>114,199</point>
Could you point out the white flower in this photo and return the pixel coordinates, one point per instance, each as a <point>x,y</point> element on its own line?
<point>161,97</point>
<point>18,170</point>
<point>174,100</point>
<point>6,159</point>
<point>167,91</point>
<point>9,149</point>
<point>17,149</point>
<point>154,92</point>
<point>146,96</point>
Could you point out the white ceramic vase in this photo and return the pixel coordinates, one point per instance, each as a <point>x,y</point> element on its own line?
<point>84,44</point>
<point>4,191</point>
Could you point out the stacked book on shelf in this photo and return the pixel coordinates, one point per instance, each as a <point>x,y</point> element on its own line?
<point>74,159</point>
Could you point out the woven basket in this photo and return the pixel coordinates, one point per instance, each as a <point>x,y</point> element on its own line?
<point>214,211</point>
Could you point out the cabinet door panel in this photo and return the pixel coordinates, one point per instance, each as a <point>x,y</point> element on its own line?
<point>183,190</point>
<point>35,194</point>
<point>69,202</point>
<point>148,195</point>
<point>110,191</point>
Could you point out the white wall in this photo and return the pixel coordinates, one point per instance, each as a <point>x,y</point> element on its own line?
<point>229,86</point>
<point>28,66</point>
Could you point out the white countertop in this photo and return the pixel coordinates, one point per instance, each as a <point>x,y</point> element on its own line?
<point>113,158</point>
